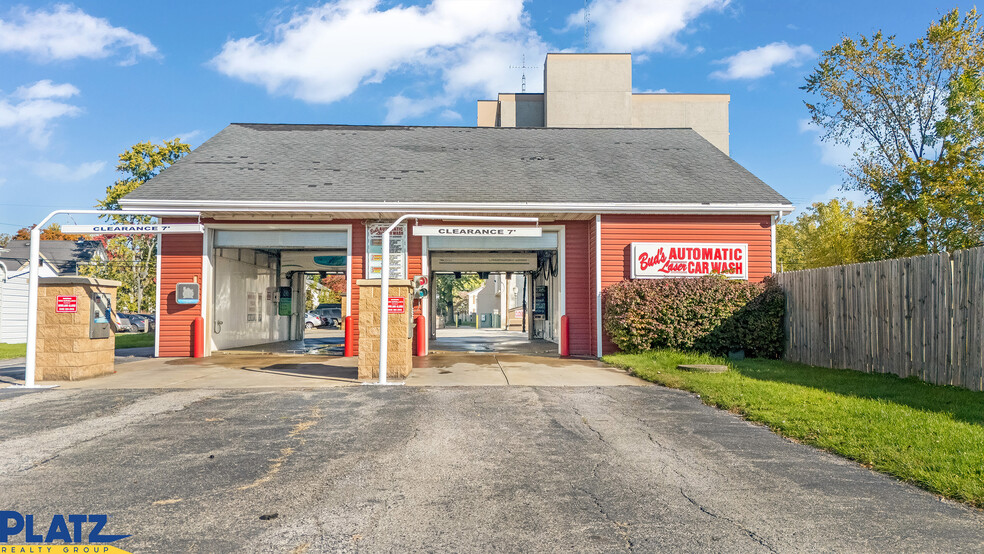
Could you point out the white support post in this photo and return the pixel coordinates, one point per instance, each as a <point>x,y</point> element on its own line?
<point>384,273</point>
<point>30,368</point>
<point>32,307</point>
<point>773,231</point>
<point>598,283</point>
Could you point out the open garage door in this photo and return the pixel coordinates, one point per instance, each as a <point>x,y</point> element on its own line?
<point>262,281</point>
<point>508,296</point>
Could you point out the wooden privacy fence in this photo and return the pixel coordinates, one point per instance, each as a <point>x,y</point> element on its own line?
<point>921,316</point>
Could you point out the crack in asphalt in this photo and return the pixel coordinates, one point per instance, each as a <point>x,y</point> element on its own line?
<point>621,528</point>
<point>748,532</point>
<point>584,420</point>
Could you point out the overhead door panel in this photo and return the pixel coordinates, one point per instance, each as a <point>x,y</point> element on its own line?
<point>275,239</point>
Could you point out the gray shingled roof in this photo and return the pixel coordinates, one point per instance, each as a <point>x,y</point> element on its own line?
<point>65,255</point>
<point>341,164</point>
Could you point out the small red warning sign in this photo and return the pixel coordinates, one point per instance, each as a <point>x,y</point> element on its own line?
<point>66,304</point>
<point>397,305</point>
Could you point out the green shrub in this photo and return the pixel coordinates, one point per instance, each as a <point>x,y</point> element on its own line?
<point>709,314</point>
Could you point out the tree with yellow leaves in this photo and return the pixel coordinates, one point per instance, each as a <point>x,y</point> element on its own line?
<point>915,114</point>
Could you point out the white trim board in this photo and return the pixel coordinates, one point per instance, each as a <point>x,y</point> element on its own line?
<point>457,207</point>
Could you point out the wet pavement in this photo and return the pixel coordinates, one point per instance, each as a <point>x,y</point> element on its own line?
<point>320,341</point>
<point>465,339</point>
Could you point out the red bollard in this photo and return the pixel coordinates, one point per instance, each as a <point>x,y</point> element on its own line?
<point>420,327</point>
<point>565,337</point>
<point>349,338</point>
<point>198,337</point>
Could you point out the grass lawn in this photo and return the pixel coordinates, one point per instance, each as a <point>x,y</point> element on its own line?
<point>134,340</point>
<point>8,351</point>
<point>129,340</point>
<point>925,434</point>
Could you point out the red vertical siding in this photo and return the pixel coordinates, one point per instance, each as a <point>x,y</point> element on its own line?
<point>181,262</point>
<point>619,231</point>
<point>358,272</point>
<point>579,285</point>
<point>415,263</point>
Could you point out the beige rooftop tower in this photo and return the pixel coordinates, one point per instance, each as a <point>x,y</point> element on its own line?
<point>595,90</point>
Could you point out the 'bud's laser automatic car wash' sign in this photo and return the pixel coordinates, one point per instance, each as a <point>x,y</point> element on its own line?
<point>654,260</point>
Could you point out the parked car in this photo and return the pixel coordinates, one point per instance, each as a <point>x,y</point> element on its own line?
<point>151,321</point>
<point>125,325</point>
<point>331,314</point>
<point>312,320</point>
<point>140,323</point>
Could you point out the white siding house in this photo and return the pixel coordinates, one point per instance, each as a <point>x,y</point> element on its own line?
<point>57,258</point>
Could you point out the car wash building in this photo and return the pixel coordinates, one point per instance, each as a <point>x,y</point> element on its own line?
<point>621,186</point>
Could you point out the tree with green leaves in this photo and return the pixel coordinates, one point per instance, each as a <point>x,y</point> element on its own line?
<point>838,232</point>
<point>447,290</point>
<point>915,113</point>
<point>824,234</point>
<point>133,258</point>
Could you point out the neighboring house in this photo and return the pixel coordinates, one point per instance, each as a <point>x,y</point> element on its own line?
<point>500,295</point>
<point>478,298</point>
<point>58,258</point>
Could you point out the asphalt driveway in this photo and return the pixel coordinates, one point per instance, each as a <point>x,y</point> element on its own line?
<point>438,469</point>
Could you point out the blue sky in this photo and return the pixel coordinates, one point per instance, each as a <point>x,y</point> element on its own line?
<point>81,82</point>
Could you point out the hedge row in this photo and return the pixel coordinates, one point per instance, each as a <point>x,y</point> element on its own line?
<point>709,314</point>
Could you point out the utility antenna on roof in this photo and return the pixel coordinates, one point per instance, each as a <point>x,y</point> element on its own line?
<point>524,67</point>
<point>587,22</point>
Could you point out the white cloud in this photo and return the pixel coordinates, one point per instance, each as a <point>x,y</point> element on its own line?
<point>835,191</point>
<point>451,115</point>
<point>325,53</point>
<point>759,62</point>
<point>834,154</point>
<point>53,171</point>
<point>187,136</point>
<point>640,25</point>
<point>490,65</point>
<point>399,108</point>
<point>46,89</point>
<point>31,109</point>
<point>66,33</point>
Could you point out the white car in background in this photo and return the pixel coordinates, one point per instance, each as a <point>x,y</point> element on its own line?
<point>312,320</point>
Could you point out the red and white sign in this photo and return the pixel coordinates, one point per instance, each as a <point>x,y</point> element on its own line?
<point>397,305</point>
<point>518,314</point>
<point>66,304</point>
<point>656,260</point>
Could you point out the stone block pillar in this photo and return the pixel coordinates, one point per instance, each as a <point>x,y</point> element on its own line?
<point>65,351</point>
<point>400,345</point>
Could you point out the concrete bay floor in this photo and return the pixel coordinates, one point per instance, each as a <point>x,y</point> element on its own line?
<point>449,468</point>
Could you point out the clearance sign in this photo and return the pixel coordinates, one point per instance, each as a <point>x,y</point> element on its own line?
<point>654,260</point>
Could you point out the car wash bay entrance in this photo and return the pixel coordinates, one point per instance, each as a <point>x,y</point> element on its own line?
<point>515,309</point>
<point>258,288</point>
